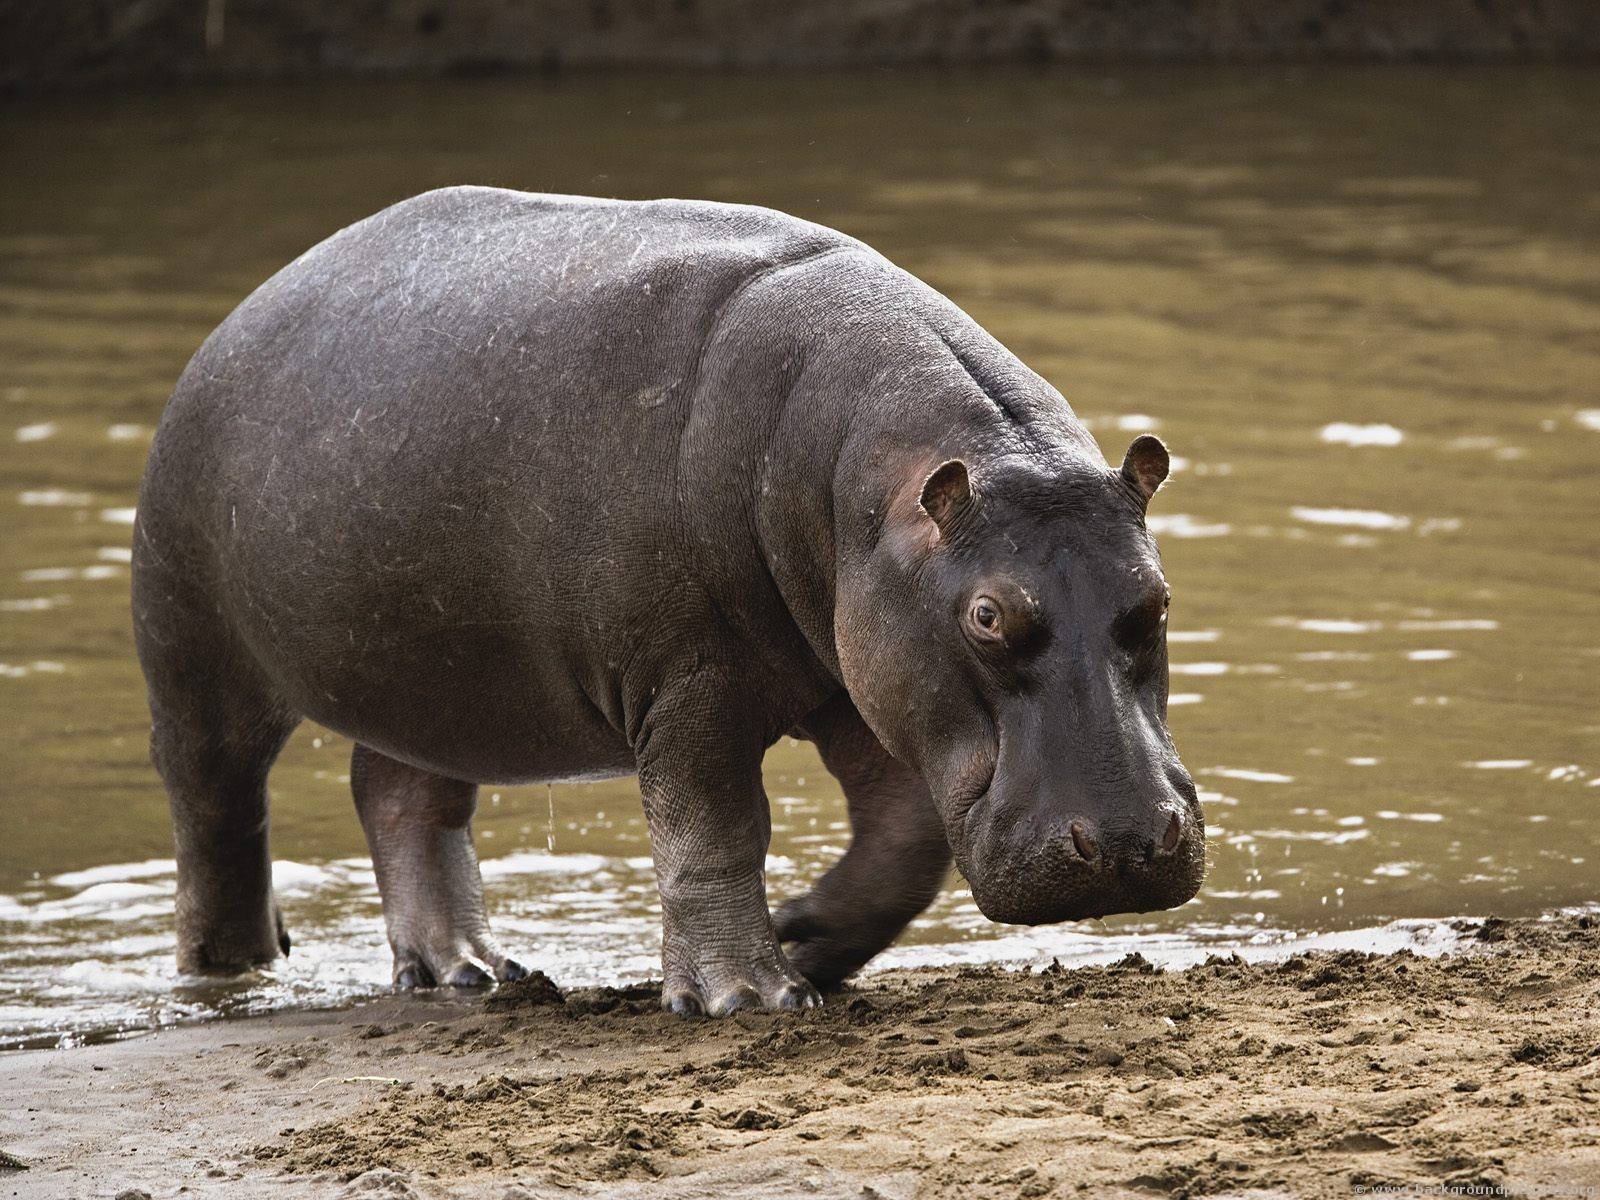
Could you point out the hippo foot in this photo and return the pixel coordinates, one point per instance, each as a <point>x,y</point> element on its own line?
<point>818,951</point>
<point>456,967</point>
<point>720,989</point>
<point>235,947</point>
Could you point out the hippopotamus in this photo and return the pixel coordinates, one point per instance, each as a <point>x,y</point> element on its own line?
<point>509,487</point>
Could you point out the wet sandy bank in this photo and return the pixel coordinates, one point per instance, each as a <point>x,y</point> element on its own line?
<point>1309,1076</point>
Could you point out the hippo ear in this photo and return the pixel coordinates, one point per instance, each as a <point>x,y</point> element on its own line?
<point>947,493</point>
<point>1146,465</point>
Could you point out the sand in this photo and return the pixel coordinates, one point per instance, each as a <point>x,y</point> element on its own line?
<point>1314,1076</point>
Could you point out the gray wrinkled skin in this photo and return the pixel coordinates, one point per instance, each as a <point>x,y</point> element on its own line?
<point>515,488</point>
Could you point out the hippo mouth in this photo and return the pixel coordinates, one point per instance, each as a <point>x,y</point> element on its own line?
<point>964,802</point>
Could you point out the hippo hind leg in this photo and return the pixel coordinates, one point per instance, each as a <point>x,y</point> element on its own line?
<point>419,829</point>
<point>895,865</point>
<point>215,731</point>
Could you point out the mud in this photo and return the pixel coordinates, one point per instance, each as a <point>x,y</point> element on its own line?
<point>1309,1076</point>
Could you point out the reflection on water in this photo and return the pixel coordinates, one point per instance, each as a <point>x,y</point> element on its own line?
<point>1361,306</point>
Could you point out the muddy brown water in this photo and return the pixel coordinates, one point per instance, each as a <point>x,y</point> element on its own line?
<point>1361,305</point>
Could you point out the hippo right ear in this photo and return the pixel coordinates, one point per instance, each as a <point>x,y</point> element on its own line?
<point>1146,465</point>
<point>947,493</point>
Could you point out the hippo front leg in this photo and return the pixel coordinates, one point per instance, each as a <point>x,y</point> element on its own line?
<point>709,827</point>
<point>896,863</point>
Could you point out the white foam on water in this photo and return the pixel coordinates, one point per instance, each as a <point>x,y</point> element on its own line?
<point>115,872</point>
<point>1394,870</point>
<point>37,433</point>
<point>12,909</point>
<point>1327,837</point>
<point>1182,525</point>
<point>1389,814</point>
<point>1588,418</point>
<point>63,574</point>
<point>1337,625</point>
<point>1170,951</point>
<point>107,899</point>
<point>118,516</point>
<point>112,892</point>
<point>1136,423</point>
<point>532,862</point>
<point>1248,775</point>
<point>32,604</point>
<point>1359,518</point>
<point>99,975</point>
<point>1343,433</point>
<point>65,911</point>
<point>53,498</point>
<point>293,878</point>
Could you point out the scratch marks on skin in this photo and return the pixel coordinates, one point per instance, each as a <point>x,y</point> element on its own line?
<point>656,394</point>
<point>516,522</point>
<point>266,482</point>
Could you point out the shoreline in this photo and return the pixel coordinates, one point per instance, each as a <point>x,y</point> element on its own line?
<point>1307,1076</point>
<point>1016,950</point>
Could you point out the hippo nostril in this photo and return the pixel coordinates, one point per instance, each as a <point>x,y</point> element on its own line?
<point>1082,842</point>
<point>1169,841</point>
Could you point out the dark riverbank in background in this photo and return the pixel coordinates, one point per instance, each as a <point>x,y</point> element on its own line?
<point>98,42</point>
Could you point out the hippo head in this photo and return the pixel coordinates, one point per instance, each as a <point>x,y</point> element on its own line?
<point>1006,636</point>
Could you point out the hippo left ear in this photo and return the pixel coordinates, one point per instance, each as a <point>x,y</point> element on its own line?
<point>947,493</point>
<point>1146,465</point>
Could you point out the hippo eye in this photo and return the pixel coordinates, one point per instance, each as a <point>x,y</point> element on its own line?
<point>1142,625</point>
<point>986,617</point>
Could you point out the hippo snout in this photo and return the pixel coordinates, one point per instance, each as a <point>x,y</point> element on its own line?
<point>1086,866</point>
<point>1129,849</point>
